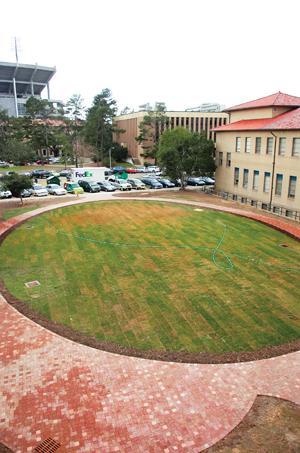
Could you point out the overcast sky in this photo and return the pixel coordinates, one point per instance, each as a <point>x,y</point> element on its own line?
<point>182,52</point>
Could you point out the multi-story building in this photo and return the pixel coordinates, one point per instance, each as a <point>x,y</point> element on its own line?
<point>194,121</point>
<point>18,82</point>
<point>258,154</point>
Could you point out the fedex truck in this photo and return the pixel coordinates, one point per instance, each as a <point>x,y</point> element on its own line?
<point>90,173</point>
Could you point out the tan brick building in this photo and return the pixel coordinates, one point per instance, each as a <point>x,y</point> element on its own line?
<point>194,121</point>
<point>258,154</point>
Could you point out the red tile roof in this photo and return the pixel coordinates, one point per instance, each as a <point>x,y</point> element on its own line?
<point>285,121</point>
<point>277,99</point>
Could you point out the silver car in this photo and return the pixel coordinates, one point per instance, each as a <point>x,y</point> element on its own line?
<point>137,184</point>
<point>55,189</point>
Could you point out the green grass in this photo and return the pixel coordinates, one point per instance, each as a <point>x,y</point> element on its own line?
<point>142,274</point>
<point>7,214</point>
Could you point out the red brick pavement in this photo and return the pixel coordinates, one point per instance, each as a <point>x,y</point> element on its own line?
<point>94,401</point>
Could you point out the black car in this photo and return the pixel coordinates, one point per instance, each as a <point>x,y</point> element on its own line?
<point>191,181</point>
<point>65,173</point>
<point>106,186</point>
<point>41,174</point>
<point>89,186</point>
<point>166,183</point>
<point>152,183</point>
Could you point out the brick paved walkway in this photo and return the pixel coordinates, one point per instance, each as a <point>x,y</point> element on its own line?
<point>94,401</point>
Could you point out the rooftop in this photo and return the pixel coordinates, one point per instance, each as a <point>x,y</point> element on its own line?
<point>285,121</point>
<point>277,99</point>
<point>24,75</point>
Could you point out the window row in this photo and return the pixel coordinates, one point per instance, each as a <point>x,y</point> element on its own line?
<point>269,145</point>
<point>278,181</point>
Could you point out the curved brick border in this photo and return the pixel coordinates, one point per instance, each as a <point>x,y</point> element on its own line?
<point>182,357</point>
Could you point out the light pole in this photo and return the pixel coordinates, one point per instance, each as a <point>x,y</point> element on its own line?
<point>109,151</point>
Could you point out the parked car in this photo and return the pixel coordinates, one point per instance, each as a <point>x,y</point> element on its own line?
<point>73,187</point>
<point>176,182</point>
<point>191,181</point>
<point>166,183</point>
<point>4,164</point>
<point>106,186</point>
<point>65,173</point>
<point>25,173</point>
<point>119,169</point>
<point>55,189</point>
<point>39,191</point>
<point>137,184</point>
<point>141,169</point>
<point>153,169</point>
<point>89,186</point>
<point>5,193</point>
<point>152,183</point>
<point>121,184</point>
<point>131,170</point>
<point>208,181</point>
<point>26,193</point>
<point>108,173</point>
<point>41,174</point>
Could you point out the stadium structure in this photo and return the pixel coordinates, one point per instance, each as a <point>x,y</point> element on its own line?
<point>18,82</point>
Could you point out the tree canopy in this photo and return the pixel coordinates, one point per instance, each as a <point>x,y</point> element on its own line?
<point>151,127</point>
<point>16,184</point>
<point>183,153</point>
<point>99,126</point>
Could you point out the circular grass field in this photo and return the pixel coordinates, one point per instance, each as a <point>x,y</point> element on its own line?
<point>158,276</point>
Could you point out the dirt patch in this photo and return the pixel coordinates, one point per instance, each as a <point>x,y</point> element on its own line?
<point>271,426</point>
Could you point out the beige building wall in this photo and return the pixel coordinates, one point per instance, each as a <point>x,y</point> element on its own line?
<point>194,121</point>
<point>286,165</point>
<point>257,113</point>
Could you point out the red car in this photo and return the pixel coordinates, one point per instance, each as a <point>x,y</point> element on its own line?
<point>131,170</point>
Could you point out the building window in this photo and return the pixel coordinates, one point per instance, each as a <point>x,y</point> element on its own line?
<point>278,184</point>
<point>177,121</point>
<point>245,178</point>
<point>264,206</point>
<point>228,160</point>
<point>224,121</point>
<point>187,122</point>
<point>220,158</point>
<point>289,213</point>
<point>282,146</point>
<point>182,122</point>
<point>255,180</point>
<point>247,144</point>
<point>236,176</point>
<point>197,124</point>
<point>267,180</point>
<point>296,147</point>
<point>238,144</point>
<point>172,122</point>
<point>201,124</point>
<point>258,145</point>
<point>206,124</point>
<point>270,141</point>
<point>292,186</point>
<point>220,121</point>
<point>192,124</point>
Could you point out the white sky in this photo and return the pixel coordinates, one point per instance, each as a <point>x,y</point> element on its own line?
<point>182,52</point>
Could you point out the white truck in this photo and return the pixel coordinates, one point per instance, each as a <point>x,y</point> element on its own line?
<point>90,173</point>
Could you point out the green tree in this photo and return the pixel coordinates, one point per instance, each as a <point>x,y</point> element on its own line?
<point>42,134</point>
<point>75,110</point>
<point>16,184</point>
<point>119,153</point>
<point>183,153</point>
<point>99,125</point>
<point>19,152</point>
<point>4,134</point>
<point>151,127</point>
